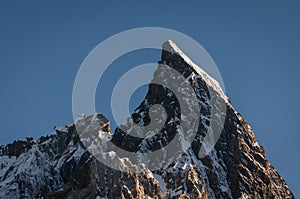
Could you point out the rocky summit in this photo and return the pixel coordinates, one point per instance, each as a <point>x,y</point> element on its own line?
<point>64,165</point>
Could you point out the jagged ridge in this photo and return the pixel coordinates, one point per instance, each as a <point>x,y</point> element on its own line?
<point>59,165</point>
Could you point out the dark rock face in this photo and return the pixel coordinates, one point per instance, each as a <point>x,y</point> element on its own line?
<point>17,147</point>
<point>59,166</point>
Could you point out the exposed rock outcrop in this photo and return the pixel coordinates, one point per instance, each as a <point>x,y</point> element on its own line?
<point>60,166</point>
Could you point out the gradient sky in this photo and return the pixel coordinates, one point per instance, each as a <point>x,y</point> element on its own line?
<point>254,44</point>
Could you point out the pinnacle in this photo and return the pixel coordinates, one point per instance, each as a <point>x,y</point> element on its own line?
<point>171,47</point>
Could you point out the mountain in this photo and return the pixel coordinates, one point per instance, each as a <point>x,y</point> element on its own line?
<point>72,162</point>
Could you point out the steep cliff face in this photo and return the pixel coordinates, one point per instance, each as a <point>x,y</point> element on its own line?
<point>61,166</point>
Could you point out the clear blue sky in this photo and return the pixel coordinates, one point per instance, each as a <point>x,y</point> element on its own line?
<point>254,44</point>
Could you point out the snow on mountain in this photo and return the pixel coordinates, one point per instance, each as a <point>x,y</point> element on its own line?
<point>61,166</point>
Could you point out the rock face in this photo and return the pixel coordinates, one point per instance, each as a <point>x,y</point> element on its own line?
<point>60,166</point>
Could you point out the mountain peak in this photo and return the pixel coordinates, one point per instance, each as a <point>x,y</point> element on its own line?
<point>60,166</point>
<point>169,45</point>
<point>174,57</point>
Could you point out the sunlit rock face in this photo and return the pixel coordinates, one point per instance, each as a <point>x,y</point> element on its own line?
<point>61,165</point>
